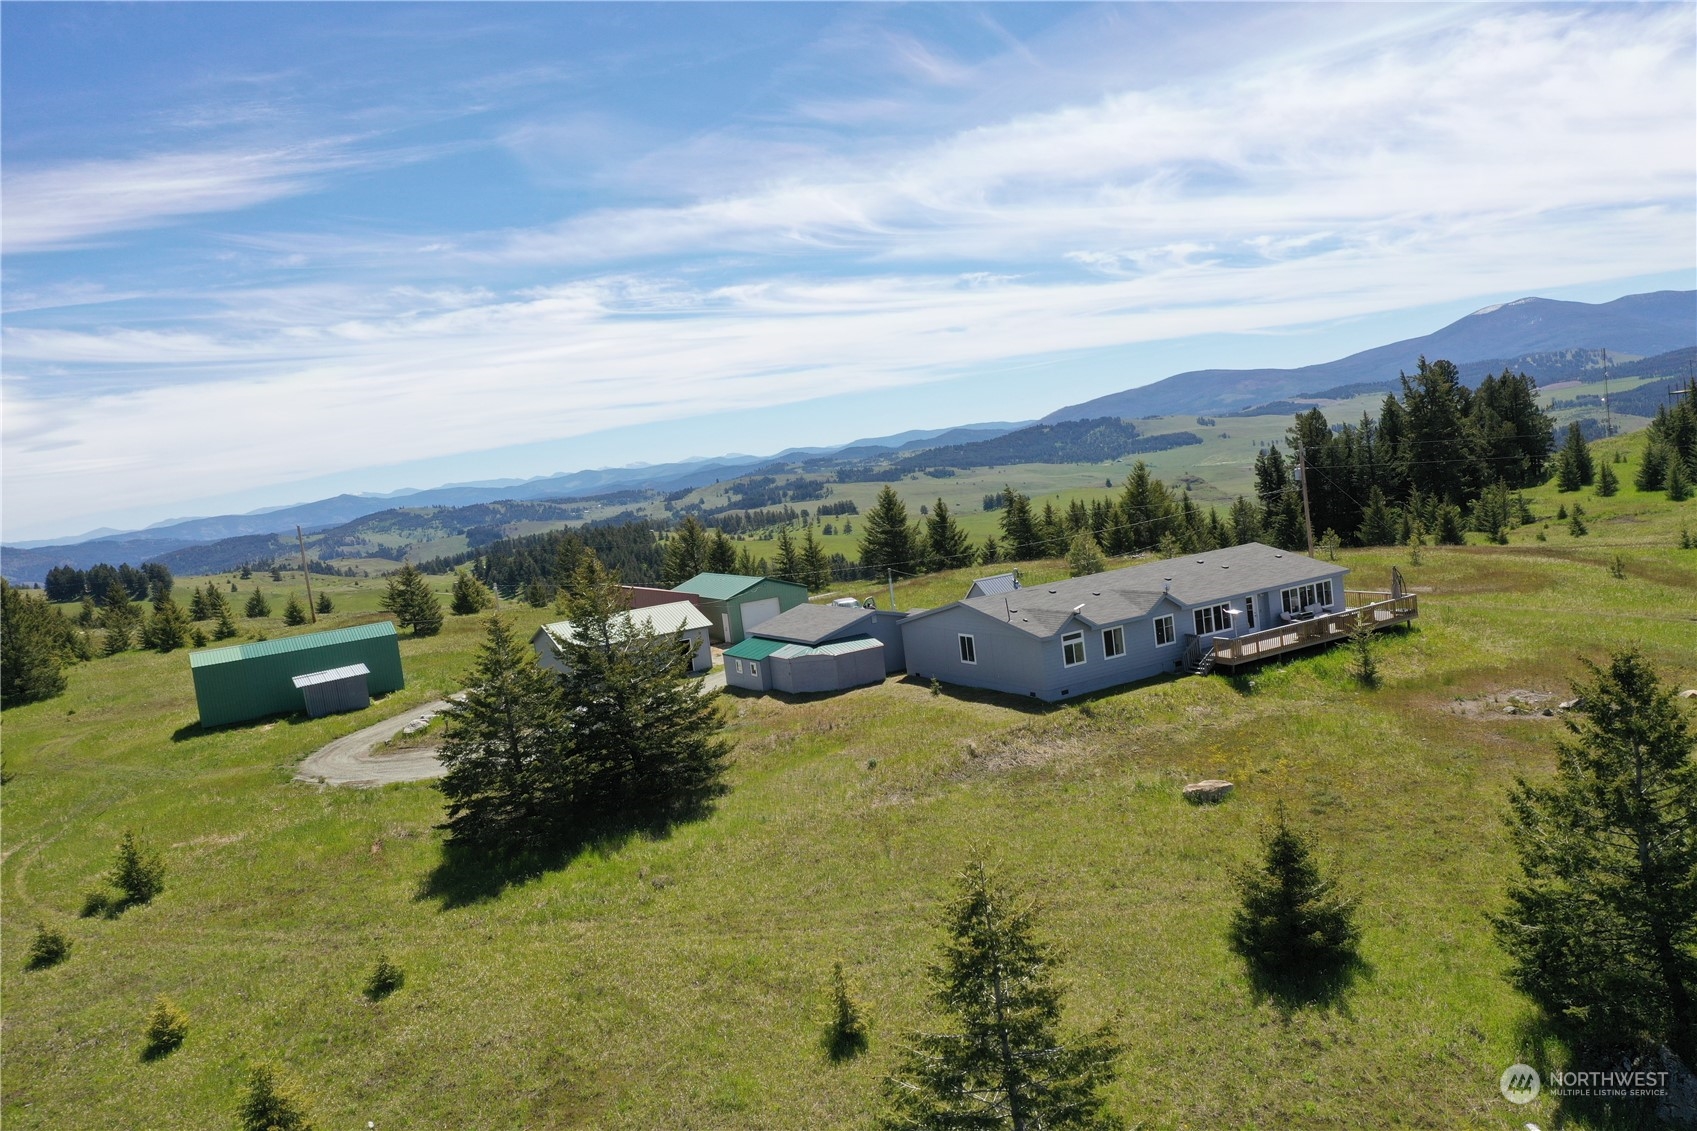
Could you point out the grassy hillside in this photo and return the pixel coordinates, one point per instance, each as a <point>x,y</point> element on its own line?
<point>682,981</point>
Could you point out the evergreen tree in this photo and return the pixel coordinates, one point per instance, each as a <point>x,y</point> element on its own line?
<point>1679,483</point>
<point>1567,472</point>
<point>1291,922</point>
<point>721,554</point>
<point>886,539</point>
<point>257,605</point>
<point>786,565</point>
<point>1575,458</point>
<point>166,1029</point>
<point>1084,556</point>
<point>120,637</point>
<point>1245,522</point>
<point>536,593</point>
<point>324,604</point>
<point>272,1103</point>
<point>948,544</point>
<point>167,628</point>
<point>1493,512</point>
<point>745,563</point>
<point>507,780</point>
<point>138,875</point>
<point>31,663</point>
<point>414,606</point>
<point>686,553</point>
<point>1020,542</point>
<point>294,613</point>
<point>470,595</point>
<point>644,743</point>
<point>1378,522</point>
<point>87,615</point>
<point>1607,481</point>
<point>1602,924</point>
<point>1003,1063</point>
<point>815,565</point>
<point>198,609</point>
<point>226,624</point>
<point>1147,510</point>
<point>991,552</point>
<point>1653,468</point>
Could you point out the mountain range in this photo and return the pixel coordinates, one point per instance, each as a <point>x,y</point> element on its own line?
<point>1550,339</point>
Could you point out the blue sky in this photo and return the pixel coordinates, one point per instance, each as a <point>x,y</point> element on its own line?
<point>255,254</point>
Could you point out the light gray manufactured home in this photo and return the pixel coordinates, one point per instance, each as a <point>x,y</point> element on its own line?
<point>1091,633</point>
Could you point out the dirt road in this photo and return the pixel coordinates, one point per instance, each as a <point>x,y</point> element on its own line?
<point>350,759</point>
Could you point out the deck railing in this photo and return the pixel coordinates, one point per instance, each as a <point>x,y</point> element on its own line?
<point>1325,628</point>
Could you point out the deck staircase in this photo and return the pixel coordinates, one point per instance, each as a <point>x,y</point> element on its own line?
<point>1205,664</point>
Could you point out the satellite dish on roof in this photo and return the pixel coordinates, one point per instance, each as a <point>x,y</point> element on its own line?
<point>869,603</point>
<point>1076,609</point>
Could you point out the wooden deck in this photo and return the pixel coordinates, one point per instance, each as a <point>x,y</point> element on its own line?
<point>1382,609</point>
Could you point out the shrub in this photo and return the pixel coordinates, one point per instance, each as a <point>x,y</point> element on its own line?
<point>385,979</point>
<point>50,948</point>
<point>272,1103</point>
<point>167,1027</point>
<point>324,604</point>
<point>845,1035</point>
<point>97,904</point>
<point>138,875</point>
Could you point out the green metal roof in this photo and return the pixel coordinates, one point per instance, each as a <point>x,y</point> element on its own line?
<point>834,648</point>
<point>287,644</point>
<point>754,648</point>
<point>717,586</point>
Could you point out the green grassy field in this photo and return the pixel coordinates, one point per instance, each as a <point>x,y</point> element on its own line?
<point>681,981</point>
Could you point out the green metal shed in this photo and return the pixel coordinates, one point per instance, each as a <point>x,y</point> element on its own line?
<point>249,681</point>
<point>736,603</point>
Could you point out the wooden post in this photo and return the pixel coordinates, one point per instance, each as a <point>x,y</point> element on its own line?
<point>312,610</point>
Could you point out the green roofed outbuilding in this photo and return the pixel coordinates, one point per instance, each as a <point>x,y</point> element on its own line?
<point>736,604</point>
<point>250,681</point>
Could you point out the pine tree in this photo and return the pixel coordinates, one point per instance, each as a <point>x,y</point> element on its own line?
<point>1378,522</point>
<point>272,1103</point>
<point>1019,534</point>
<point>1653,467</point>
<point>87,615</point>
<point>166,1029</point>
<point>644,743</point>
<point>138,875</point>
<point>414,606</point>
<point>294,613</point>
<point>470,595</point>
<point>785,564</point>
<point>1679,483</point>
<point>1291,922</point>
<point>31,661</point>
<point>721,554</point>
<point>167,627</point>
<point>198,609</point>
<point>1602,924</point>
<point>948,544</point>
<point>49,948</point>
<point>815,565</point>
<point>257,605</point>
<point>1003,1063</point>
<point>226,624</point>
<point>1084,556</point>
<point>887,541</point>
<point>324,604</point>
<point>1607,481</point>
<point>746,563</point>
<point>686,553</point>
<point>507,781</point>
<point>1576,453</point>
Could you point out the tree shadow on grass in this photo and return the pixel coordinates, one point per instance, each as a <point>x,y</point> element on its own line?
<point>470,873</point>
<point>1325,989</point>
<point>1548,1046</point>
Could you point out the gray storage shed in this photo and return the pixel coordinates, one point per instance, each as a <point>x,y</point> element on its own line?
<point>335,690</point>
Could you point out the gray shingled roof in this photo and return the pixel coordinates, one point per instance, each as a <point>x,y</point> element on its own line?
<point>1124,594</point>
<point>809,624</point>
<point>991,586</point>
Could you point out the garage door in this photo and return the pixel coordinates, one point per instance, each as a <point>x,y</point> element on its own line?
<point>756,613</point>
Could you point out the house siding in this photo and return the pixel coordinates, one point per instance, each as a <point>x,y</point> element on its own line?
<point>809,674</point>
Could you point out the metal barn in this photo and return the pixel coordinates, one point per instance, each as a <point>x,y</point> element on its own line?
<point>249,681</point>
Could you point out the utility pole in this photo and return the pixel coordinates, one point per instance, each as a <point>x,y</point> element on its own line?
<point>311,609</point>
<point>890,576</point>
<point>1302,477</point>
<point>1608,412</point>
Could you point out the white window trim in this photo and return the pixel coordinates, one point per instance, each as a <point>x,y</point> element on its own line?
<point>1172,632</point>
<point>1117,633</point>
<point>1083,656</point>
<point>968,646</point>
<point>738,665</point>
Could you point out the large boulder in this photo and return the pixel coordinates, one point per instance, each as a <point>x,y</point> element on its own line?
<point>1207,792</point>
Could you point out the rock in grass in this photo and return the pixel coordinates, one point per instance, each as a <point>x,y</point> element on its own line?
<point>1208,791</point>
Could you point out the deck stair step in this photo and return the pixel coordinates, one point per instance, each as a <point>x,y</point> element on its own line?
<point>1205,664</point>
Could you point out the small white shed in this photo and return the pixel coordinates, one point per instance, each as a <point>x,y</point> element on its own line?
<point>335,689</point>
<point>679,618</point>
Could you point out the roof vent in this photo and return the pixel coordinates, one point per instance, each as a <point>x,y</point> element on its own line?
<point>1051,590</point>
<point>1199,561</point>
<point>1225,566</point>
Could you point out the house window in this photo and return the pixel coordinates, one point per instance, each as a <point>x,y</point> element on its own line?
<point>1164,632</point>
<point>1303,597</point>
<point>968,649</point>
<point>754,669</point>
<point>1214,618</point>
<point>1113,642</point>
<point>1072,649</point>
<point>737,664</point>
